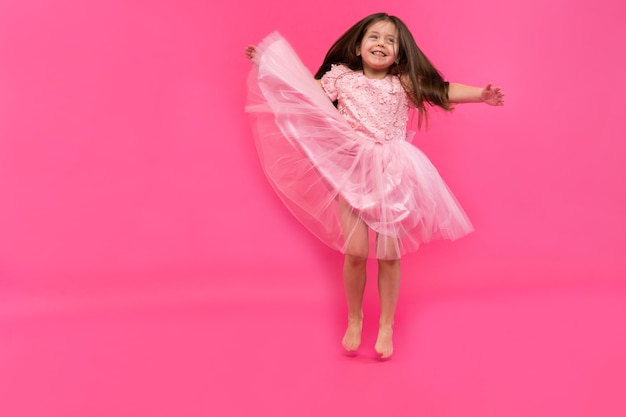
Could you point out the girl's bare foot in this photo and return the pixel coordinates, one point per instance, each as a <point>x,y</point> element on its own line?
<point>352,339</point>
<point>384,342</point>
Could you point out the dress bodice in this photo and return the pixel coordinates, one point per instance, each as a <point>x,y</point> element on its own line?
<point>375,108</point>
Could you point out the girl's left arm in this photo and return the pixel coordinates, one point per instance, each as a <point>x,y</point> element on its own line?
<point>459,93</point>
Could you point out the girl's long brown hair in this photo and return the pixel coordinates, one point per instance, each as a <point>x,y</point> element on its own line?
<point>423,83</point>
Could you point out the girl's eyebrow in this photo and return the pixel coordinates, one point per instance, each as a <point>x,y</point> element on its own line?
<point>373,32</point>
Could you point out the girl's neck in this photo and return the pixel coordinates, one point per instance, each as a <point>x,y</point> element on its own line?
<point>375,75</point>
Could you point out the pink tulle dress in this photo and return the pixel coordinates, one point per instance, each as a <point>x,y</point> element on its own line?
<point>339,169</point>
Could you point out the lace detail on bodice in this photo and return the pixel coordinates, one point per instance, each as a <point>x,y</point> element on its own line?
<point>378,109</point>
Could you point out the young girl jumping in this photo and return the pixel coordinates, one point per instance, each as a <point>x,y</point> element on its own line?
<point>340,156</point>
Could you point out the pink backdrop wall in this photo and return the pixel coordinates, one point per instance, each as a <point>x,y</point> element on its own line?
<point>126,160</point>
<point>124,145</point>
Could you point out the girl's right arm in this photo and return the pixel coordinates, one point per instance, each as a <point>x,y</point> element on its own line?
<point>252,54</point>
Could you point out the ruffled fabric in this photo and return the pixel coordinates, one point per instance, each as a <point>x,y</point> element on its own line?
<point>339,169</point>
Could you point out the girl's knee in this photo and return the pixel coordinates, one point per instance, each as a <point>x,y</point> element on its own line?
<point>357,248</point>
<point>389,263</point>
<point>356,259</point>
<point>357,251</point>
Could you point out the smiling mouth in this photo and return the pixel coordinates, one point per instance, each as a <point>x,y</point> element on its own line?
<point>379,53</point>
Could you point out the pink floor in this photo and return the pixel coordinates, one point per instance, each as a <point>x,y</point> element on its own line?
<point>239,347</point>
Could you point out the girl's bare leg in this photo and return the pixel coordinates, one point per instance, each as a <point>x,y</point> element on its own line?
<point>354,273</point>
<point>354,279</point>
<point>388,290</point>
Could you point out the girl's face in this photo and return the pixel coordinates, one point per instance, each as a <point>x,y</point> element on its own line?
<point>378,49</point>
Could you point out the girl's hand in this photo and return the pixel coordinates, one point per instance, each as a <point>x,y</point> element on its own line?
<point>251,52</point>
<point>492,96</point>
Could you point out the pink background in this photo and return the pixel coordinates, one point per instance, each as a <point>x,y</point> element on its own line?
<point>147,267</point>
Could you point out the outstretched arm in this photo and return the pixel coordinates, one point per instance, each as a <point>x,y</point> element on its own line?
<point>459,93</point>
<point>252,53</point>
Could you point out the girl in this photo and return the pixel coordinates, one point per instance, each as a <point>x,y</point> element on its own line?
<point>347,171</point>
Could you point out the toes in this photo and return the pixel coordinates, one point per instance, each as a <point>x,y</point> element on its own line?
<point>352,338</point>
<point>384,353</point>
<point>350,344</point>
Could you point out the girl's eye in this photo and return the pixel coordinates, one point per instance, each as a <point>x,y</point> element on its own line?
<point>391,40</point>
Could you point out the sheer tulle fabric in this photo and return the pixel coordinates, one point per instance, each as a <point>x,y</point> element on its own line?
<point>333,179</point>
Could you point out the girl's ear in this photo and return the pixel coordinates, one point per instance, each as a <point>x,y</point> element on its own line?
<point>358,51</point>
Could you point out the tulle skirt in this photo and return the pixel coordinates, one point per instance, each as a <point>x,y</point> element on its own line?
<point>358,196</point>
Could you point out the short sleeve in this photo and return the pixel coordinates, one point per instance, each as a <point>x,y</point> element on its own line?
<point>329,80</point>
